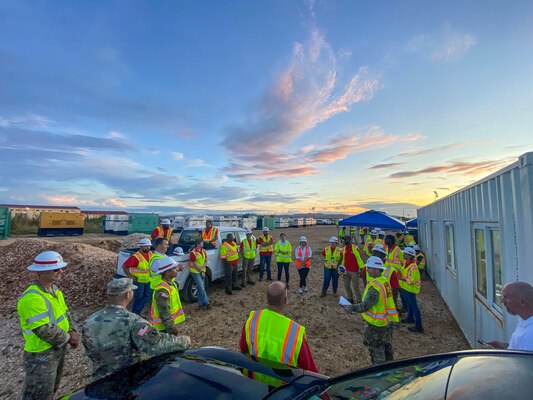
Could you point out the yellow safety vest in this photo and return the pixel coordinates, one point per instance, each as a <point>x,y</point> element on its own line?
<point>411,279</point>
<point>161,233</point>
<point>332,258</point>
<point>352,230</point>
<point>422,260</point>
<point>36,308</point>
<point>384,311</point>
<point>274,337</point>
<point>229,252</point>
<point>266,249</point>
<point>201,257</point>
<point>342,233</point>
<point>356,253</point>
<point>154,279</point>
<point>278,248</point>
<point>142,271</point>
<point>394,258</point>
<point>378,241</point>
<point>369,243</point>
<point>361,231</point>
<point>211,235</point>
<point>249,251</point>
<point>176,310</point>
<point>409,238</point>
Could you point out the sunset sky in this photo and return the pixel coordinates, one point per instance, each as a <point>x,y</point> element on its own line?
<point>262,106</point>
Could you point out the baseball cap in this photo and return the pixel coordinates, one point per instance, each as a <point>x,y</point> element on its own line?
<point>119,286</point>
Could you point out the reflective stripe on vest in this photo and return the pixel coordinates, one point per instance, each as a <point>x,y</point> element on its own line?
<point>411,281</point>
<point>142,271</point>
<point>249,251</point>
<point>301,257</point>
<point>332,258</point>
<point>200,261</point>
<point>56,314</point>
<point>209,235</point>
<point>229,252</point>
<point>265,331</point>
<point>394,258</point>
<point>176,310</point>
<point>161,233</point>
<point>384,311</point>
<point>266,249</point>
<point>284,258</point>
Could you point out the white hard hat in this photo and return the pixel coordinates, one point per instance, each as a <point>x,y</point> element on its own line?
<point>410,251</point>
<point>47,261</point>
<point>342,270</point>
<point>303,239</point>
<point>145,242</point>
<point>380,248</point>
<point>333,239</point>
<point>165,221</point>
<point>411,244</point>
<point>374,262</point>
<point>248,231</point>
<point>373,232</point>
<point>381,233</point>
<point>178,251</point>
<point>162,265</point>
<point>416,247</point>
<point>265,229</point>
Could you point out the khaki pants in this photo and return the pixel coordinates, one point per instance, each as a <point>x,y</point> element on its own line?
<point>349,279</point>
<point>43,373</point>
<point>247,270</point>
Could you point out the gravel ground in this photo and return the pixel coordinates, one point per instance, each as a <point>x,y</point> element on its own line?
<point>334,336</point>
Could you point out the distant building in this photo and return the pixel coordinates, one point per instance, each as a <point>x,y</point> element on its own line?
<point>97,214</point>
<point>33,211</point>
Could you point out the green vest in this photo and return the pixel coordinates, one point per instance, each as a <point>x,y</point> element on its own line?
<point>411,278</point>
<point>249,251</point>
<point>278,248</point>
<point>176,310</point>
<point>384,311</point>
<point>36,308</point>
<point>154,279</point>
<point>201,258</point>
<point>142,271</point>
<point>332,257</point>
<point>274,337</point>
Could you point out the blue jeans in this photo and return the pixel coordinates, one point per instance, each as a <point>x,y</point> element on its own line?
<point>265,261</point>
<point>404,299</point>
<point>202,295</point>
<point>283,266</point>
<point>412,308</point>
<point>141,296</point>
<point>330,275</point>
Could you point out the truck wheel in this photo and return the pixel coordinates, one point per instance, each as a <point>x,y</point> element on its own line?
<point>190,290</point>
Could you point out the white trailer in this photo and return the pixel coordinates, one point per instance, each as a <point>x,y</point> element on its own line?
<point>227,221</point>
<point>282,222</point>
<point>194,221</point>
<point>249,223</point>
<point>297,222</point>
<point>476,240</point>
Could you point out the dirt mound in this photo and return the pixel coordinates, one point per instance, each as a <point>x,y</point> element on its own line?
<point>83,282</point>
<point>132,240</point>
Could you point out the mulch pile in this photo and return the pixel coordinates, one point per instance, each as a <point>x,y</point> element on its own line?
<point>83,281</point>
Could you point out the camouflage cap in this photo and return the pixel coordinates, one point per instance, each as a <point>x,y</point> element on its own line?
<point>119,286</point>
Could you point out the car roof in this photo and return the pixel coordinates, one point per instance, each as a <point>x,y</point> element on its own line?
<point>220,228</point>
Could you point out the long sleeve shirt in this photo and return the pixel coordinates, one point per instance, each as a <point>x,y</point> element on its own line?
<point>371,298</point>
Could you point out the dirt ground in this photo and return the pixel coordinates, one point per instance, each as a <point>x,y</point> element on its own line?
<point>334,336</point>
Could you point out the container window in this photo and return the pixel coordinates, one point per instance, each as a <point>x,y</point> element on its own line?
<point>480,261</point>
<point>450,247</point>
<point>496,266</point>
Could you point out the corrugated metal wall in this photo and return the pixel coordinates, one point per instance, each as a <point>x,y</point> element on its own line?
<point>502,201</point>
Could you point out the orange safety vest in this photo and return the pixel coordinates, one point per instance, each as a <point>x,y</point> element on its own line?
<point>307,263</point>
<point>210,235</point>
<point>160,232</point>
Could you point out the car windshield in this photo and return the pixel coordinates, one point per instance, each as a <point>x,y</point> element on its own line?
<point>424,380</point>
<point>189,237</point>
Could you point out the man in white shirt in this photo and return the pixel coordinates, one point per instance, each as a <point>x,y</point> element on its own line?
<point>517,298</point>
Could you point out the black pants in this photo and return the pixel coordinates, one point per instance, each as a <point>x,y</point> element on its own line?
<point>303,276</point>
<point>283,266</point>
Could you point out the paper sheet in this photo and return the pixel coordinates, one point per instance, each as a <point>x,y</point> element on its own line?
<point>344,302</point>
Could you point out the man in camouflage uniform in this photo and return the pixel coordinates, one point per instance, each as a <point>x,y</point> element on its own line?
<point>378,311</point>
<point>47,328</point>
<point>115,338</point>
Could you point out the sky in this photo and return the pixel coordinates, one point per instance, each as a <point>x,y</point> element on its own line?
<point>260,106</point>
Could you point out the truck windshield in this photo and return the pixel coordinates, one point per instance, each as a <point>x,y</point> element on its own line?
<point>188,238</point>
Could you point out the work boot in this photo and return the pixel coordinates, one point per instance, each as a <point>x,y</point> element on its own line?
<point>236,288</point>
<point>299,290</point>
<point>407,321</point>
<point>305,289</point>
<point>334,293</point>
<point>269,279</point>
<point>323,294</point>
<point>416,329</point>
<point>260,279</point>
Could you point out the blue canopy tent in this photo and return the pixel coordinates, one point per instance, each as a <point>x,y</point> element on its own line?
<point>412,223</point>
<point>375,219</point>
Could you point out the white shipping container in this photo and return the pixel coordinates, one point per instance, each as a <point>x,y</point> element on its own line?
<point>249,223</point>
<point>297,222</point>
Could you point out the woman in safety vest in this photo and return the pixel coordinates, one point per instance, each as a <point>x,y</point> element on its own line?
<point>283,251</point>
<point>303,255</point>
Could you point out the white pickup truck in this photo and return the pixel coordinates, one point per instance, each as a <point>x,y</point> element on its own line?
<point>214,269</point>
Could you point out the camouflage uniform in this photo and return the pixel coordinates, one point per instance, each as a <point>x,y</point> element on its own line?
<point>378,339</point>
<point>44,369</point>
<point>115,338</point>
<point>162,301</point>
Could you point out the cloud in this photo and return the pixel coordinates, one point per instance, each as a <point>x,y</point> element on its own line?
<point>465,168</point>
<point>307,93</point>
<point>28,121</point>
<point>384,166</point>
<point>427,150</point>
<point>443,45</point>
<point>176,155</point>
<point>197,163</point>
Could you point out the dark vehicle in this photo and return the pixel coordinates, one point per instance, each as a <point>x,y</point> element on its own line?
<point>217,373</point>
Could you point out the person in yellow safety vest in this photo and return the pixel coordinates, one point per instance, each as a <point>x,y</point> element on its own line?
<point>137,267</point>
<point>197,268</point>
<point>362,234</point>
<point>420,259</point>
<point>283,251</point>
<point>400,240</point>
<point>393,268</point>
<point>164,230</point>
<point>380,252</point>
<point>378,311</point>
<point>332,255</point>
<point>409,239</point>
<point>248,249</point>
<point>47,328</point>
<point>269,335</point>
<point>210,235</point>
<point>380,239</point>
<point>229,253</point>
<point>342,232</point>
<point>166,312</point>
<point>302,256</point>
<point>353,231</point>
<point>410,283</point>
<point>161,247</point>
<point>369,242</point>
<point>351,263</point>
<point>266,247</point>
